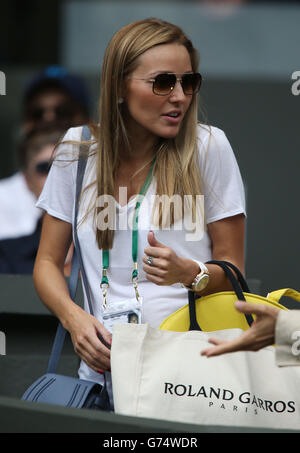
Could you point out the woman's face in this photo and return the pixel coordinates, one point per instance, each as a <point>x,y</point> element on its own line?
<point>147,113</point>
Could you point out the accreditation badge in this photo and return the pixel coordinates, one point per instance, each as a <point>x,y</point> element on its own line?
<point>126,311</point>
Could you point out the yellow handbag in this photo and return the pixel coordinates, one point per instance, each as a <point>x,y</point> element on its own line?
<point>217,312</point>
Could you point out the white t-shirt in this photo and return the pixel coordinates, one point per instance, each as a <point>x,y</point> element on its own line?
<point>223,197</point>
<point>19,214</point>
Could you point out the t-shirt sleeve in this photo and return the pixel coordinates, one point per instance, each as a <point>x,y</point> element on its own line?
<point>58,194</point>
<point>222,183</point>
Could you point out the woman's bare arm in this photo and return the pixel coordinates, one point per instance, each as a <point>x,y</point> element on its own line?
<point>227,236</point>
<point>52,288</point>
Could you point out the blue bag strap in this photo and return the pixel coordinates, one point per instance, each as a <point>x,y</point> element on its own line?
<point>82,161</point>
<point>76,265</point>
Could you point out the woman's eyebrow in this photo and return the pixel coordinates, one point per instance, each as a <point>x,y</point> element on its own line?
<point>169,72</point>
<point>157,72</point>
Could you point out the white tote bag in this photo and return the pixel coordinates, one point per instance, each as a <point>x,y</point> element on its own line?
<point>162,375</point>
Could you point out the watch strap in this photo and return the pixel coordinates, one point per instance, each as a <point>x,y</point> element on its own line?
<point>203,269</point>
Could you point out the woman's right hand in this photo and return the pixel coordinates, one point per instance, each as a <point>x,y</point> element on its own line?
<point>86,331</point>
<point>51,285</point>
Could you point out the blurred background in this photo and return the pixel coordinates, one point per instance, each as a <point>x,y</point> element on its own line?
<point>249,58</point>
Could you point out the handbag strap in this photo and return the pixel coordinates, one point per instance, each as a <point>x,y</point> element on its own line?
<point>76,265</point>
<point>238,284</point>
<point>194,325</point>
<point>82,161</point>
<point>241,279</point>
<point>275,296</point>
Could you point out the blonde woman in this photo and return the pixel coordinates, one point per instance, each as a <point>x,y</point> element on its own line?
<point>147,131</point>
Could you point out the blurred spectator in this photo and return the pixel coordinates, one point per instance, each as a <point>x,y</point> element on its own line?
<point>55,95</point>
<point>20,225</point>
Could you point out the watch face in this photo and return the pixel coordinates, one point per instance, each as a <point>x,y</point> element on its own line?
<point>202,283</point>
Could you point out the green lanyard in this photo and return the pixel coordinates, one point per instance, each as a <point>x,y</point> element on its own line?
<point>105,253</point>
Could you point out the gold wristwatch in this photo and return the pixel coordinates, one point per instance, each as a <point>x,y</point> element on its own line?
<point>201,280</point>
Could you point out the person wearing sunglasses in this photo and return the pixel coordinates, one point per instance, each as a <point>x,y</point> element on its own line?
<point>20,224</point>
<point>148,141</point>
<point>36,153</point>
<point>55,96</point>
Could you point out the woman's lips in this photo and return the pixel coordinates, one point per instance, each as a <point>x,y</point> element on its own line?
<point>172,119</point>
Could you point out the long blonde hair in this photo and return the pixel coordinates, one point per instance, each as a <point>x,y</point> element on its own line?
<point>175,170</point>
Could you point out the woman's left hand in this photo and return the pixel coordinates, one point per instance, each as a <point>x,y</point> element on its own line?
<point>166,268</point>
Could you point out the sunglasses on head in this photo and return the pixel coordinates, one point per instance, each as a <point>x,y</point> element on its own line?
<point>42,168</point>
<point>163,84</point>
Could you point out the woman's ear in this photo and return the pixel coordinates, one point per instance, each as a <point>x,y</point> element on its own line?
<point>122,92</point>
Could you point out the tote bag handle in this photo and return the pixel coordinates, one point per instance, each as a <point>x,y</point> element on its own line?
<point>239,285</point>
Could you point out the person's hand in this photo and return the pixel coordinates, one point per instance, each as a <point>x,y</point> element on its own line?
<point>259,335</point>
<point>90,339</point>
<point>166,267</point>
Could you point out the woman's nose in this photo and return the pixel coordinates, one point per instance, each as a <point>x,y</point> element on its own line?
<point>177,93</point>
